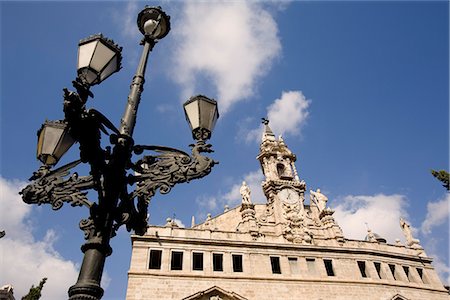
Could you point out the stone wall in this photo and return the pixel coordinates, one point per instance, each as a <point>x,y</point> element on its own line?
<point>296,281</point>
<point>150,287</point>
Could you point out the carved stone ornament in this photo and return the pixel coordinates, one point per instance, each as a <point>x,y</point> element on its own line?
<point>248,212</point>
<point>293,212</point>
<point>410,240</point>
<point>297,233</point>
<point>268,215</point>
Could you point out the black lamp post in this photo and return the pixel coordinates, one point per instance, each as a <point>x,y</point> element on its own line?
<point>112,168</point>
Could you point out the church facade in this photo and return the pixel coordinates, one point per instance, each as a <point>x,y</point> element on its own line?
<point>282,249</point>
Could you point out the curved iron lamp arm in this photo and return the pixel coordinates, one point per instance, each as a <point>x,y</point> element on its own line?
<point>161,172</point>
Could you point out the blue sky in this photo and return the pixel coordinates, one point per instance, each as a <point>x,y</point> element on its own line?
<point>359,90</point>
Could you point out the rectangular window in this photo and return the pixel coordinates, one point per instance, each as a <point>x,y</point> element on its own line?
<point>362,268</point>
<point>237,263</point>
<point>406,269</point>
<point>311,263</point>
<point>329,266</point>
<point>275,262</point>
<point>420,272</point>
<point>176,262</point>
<point>378,268</point>
<point>293,264</point>
<point>155,259</point>
<point>217,262</point>
<point>197,261</point>
<point>421,275</point>
<point>392,268</point>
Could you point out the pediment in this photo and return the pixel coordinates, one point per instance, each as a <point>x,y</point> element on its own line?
<point>215,293</point>
<point>399,297</point>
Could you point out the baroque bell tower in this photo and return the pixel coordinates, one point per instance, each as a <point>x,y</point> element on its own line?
<point>278,165</point>
<point>286,210</point>
<point>284,190</point>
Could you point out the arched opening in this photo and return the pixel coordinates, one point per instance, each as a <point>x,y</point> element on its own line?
<point>281,170</point>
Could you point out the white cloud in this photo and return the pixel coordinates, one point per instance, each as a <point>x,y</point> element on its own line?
<point>25,261</point>
<point>381,212</point>
<point>434,249</point>
<point>165,108</point>
<point>436,244</point>
<point>215,204</point>
<point>127,19</point>
<point>287,115</point>
<point>13,209</point>
<point>230,44</point>
<point>208,203</point>
<point>437,214</point>
<point>442,269</point>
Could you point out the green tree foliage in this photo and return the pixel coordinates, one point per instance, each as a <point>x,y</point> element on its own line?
<point>443,177</point>
<point>35,292</point>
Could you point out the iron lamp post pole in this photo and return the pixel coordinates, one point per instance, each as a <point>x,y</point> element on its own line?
<point>128,120</point>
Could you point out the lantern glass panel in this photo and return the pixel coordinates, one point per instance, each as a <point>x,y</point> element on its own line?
<point>207,114</point>
<point>153,28</point>
<point>110,69</point>
<point>51,136</point>
<point>102,56</point>
<point>42,156</point>
<point>89,75</point>
<point>65,143</point>
<point>85,53</point>
<point>192,113</point>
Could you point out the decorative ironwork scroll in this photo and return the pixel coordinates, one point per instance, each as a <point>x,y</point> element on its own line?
<point>161,172</point>
<point>50,187</point>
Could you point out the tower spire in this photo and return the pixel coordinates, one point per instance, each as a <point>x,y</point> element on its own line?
<point>277,161</point>
<point>267,133</point>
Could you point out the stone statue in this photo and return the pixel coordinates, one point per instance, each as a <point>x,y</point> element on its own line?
<point>370,236</point>
<point>8,288</point>
<point>406,228</point>
<point>245,193</point>
<point>319,199</point>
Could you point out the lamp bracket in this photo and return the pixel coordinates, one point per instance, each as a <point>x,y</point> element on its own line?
<point>82,88</point>
<point>50,187</point>
<point>103,121</point>
<point>162,171</point>
<point>201,134</point>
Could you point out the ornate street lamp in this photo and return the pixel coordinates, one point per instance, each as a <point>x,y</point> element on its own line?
<point>153,22</point>
<point>98,58</point>
<point>54,140</point>
<point>201,114</point>
<point>112,168</point>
